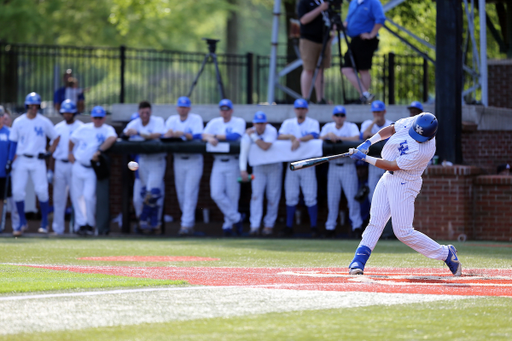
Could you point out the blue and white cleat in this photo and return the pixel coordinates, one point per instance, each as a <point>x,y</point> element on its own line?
<point>356,268</point>
<point>453,261</point>
<point>43,229</point>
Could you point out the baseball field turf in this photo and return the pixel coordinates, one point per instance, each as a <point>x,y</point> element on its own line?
<point>248,289</point>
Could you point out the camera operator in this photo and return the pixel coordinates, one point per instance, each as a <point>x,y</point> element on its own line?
<point>363,21</point>
<point>312,26</point>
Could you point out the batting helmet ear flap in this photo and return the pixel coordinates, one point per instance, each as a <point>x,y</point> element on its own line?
<point>424,127</point>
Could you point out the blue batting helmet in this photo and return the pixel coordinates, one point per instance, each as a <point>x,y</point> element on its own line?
<point>32,98</point>
<point>68,106</point>
<point>98,111</point>
<point>424,127</point>
<point>416,105</point>
<point>339,109</point>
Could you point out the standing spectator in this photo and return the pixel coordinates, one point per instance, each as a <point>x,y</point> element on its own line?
<point>415,108</point>
<point>368,129</point>
<point>151,166</point>
<point>267,177</point>
<point>224,187</point>
<point>300,130</point>
<point>91,139</point>
<point>312,26</point>
<point>59,95</point>
<point>363,22</point>
<point>342,173</point>
<point>62,178</point>
<point>188,168</point>
<point>74,93</point>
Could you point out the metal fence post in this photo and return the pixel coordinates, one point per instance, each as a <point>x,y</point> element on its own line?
<point>249,65</point>
<point>122,57</point>
<point>425,80</point>
<point>391,78</point>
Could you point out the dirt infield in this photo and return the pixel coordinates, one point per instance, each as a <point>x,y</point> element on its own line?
<point>150,259</point>
<point>476,282</point>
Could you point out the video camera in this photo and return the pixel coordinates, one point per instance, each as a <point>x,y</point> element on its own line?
<point>334,13</point>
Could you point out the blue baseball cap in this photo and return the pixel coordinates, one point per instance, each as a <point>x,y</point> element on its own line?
<point>300,103</point>
<point>378,106</point>
<point>416,105</point>
<point>183,101</point>
<point>225,104</point>
<point>259,117</point>
<point>339,109</point>
<point>98,111</point>
<point>134,116</point>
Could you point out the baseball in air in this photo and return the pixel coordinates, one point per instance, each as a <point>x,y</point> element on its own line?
<point>132,165</point>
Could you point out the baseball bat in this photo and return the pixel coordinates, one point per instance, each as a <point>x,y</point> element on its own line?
<point>4,208</point>
<point>315,161</point>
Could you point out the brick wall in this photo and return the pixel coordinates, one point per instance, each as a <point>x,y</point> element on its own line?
<point>500,86</point>
<point>487,148</point>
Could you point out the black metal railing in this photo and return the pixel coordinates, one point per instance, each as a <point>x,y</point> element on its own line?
<point>127,75</point>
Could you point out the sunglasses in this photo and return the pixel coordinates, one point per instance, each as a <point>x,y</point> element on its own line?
<point>97,118</point>
<point>340,115</point>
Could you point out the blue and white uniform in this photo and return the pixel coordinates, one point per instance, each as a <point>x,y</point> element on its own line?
<point>188,168</point>
<point>87,140</point>
<point>224,187</point>
<point>342,174</point>
<point>62,177</point>
<point>374,173</point>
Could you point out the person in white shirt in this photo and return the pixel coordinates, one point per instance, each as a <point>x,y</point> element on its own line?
<point>342,173</point>
<point>405,156</point>
<point>224,187</point>
<point>62,177</point>
<point>29,135</point>
<point>188,168</point>
<point>300,130</point>
<point>151,166</point>
<point>368,129</point>
<point>91,139</point>
<point>267,177</point>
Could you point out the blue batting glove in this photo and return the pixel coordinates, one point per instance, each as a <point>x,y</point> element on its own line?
<point>358,155</point>
<point>364,147</point>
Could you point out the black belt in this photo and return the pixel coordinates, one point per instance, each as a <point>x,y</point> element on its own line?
<point>28,155</point>
<point>224,160</point>
<point>85,165</point>
<point>63,160</point>
<point>391,172</point>
<point>185,157</point>
<point>340,164</point>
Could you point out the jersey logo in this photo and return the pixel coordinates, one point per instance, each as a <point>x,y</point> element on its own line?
<point>229,130</point>
<point>403,148</point>
<point>39,131</point>
<point>100,138</point>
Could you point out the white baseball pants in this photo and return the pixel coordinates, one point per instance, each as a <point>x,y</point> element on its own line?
<point>83,194</point>
<point>304,179</point>
<point>395,198</point>
<point>152,171</point>
<point>267,178</point>
<point>23,167</point>
<point>61,184</point>
<point>225,189</point>
<point>188,170</point>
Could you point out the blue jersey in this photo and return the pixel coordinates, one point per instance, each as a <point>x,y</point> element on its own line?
<point>363,15</point>
<point>4,149</point>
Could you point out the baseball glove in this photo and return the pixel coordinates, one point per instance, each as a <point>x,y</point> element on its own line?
<point>101,167</point>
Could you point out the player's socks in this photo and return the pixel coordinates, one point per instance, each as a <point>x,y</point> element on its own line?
<point>313,213</point>
<point>20,206</point>
<point>360,258</point>
<point>290,215</point>
<point>45,206</point>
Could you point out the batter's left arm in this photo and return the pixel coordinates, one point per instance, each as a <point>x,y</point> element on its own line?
<point>356,154</point>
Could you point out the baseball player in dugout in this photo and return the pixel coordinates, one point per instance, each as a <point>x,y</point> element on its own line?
<point>267,178</point>
<point>62,166</point>
<point>27,155</point>
<point>90,139</point>
<point>224,187</point>
<point>298,130</point>
<point>342,173</point>
<point>415,108</point>
<point>405,156</point>
<point>151,166</point>
<point>188,168</point>
<point>368,129</point>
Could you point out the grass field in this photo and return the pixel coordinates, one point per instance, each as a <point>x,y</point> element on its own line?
<point>74,304</point>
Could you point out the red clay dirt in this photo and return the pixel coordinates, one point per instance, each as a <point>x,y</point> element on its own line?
<point>150,259</point>
<point>478,282</point>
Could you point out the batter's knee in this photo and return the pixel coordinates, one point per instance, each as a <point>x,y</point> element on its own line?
<point>403,233</point>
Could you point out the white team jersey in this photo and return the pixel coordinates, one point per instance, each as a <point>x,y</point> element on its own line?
<point>217,126</point>
<point>348,129</point>
<point>269,135</point>
<point>88,139</point>
<point>31,134</point>
<point>375,128</point>
<point>156,124</point>
<point>192,125</point>
<point>411,156</point>
<point>64,130</point>
<point>292,127</point>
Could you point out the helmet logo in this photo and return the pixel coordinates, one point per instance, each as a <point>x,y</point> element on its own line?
<point>419,129</point>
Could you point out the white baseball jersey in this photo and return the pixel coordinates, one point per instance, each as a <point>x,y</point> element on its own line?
<point>31,134</point>
<point>192,125</point>
<point>155,125</point>
<point>375,128</point>
<point>88,139</point>
<point>348,129</point>
<point>219,127</point>
<point>64,130</point>
<point>292,127</point>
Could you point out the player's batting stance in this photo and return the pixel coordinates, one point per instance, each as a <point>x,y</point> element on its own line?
<point>405,156</point>
<point>29,135</point>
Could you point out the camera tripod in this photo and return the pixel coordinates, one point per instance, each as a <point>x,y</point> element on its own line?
<point>334,18</point>
<point>212,45</point>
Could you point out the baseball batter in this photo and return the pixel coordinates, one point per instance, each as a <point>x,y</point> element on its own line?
<point>405,156</point>
<point>224,187</point>
<point>300,130</point>
<point>188,168</point>
<point>29,135</point>
<point>91,139</point>
<point>62,178</point>
<point>266,177</point>
<point>368,129</point>
<point>151,166</point>
<point>342,172</point>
